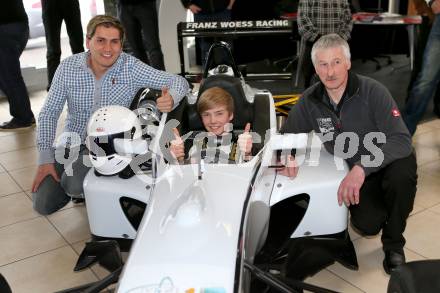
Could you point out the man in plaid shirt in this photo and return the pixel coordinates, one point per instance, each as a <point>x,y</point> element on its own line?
<point>87,81</point>
<point>317,18</point>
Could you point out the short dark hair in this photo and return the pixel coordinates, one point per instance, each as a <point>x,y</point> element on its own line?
<point>106,21</point>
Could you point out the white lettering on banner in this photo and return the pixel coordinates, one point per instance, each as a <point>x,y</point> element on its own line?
<point>270,23</point>
<point>201,25</point>
<point>238,24</point>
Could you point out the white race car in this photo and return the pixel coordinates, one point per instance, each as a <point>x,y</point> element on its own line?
<point>211,227</point>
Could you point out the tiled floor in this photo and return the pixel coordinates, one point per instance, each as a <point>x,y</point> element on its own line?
<point>37,253</point>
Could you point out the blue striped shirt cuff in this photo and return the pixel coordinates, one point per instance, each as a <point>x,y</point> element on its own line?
<point>46,156</point>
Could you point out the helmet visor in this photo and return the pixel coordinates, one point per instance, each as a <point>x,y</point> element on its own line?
<point>102,146</point>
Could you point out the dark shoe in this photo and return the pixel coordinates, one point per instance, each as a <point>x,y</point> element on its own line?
<point>77,200</point>
<point>14,124</point>
<point>393,259</point>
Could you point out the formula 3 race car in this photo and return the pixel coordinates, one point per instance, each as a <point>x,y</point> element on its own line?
<point>211,227</point>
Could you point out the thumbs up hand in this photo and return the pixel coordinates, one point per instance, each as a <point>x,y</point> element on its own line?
<point>177,148</point>
<point>245,141</point>
<point>165,102</point>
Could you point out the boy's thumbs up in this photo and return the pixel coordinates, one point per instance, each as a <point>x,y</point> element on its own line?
<point>176,134</point>
<point>245,140</point>
<point>176,147</point>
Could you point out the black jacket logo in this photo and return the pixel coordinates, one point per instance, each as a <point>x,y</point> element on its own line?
<point>325,125</point>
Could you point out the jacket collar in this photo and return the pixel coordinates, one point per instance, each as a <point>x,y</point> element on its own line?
<point>320,92</point>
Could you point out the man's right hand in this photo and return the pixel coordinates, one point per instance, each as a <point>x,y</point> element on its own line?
<point>43,171</point>
<point>349,189</point>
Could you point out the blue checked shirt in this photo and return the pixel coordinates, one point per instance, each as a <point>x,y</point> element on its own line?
<point>320,17</point>
<point>75,83</point>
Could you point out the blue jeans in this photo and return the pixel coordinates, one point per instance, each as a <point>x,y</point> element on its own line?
<point>13,39</point>
<point>205,43</point>
<point>52,195</point>
<point>426,83</point>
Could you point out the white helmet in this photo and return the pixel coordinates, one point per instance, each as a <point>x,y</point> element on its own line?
<point>106,124</point>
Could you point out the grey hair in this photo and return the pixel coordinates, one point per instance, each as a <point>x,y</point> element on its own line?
<point>330,41</point>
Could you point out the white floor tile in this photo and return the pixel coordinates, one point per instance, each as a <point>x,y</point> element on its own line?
<point>428,194</point>
<point>423,128</point>
<point>426,154</point>
<point>434,123</point>
<point>28,238</point>
<point>20,140</point>
<point>432,168</point>
<point>422,234</point>
<point>435,209</point>
<point>370,277</point>
<point>430,138</point>
<point>72,223</point>
<point>16,208</point>
<point>329,280</point>
<point>8,185</point>
<point>417,209</point>
<point>48,272</point>
<point>19,159</point>
<point>24,177</point>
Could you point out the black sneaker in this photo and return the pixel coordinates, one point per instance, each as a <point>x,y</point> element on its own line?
<point>14,124</point>
<point>393,259</point>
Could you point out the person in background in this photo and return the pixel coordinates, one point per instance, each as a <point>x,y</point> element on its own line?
<point>381,184</point>
<point>53,13</point>
<point>14,34</point>
<point>209,10</point>
<point>428,77</point>
<point>315,19</point>
<point>139,18</point>
<point>87,81</point>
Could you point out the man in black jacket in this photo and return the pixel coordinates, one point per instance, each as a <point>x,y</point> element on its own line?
<point>204,10</point>
<point>349,112</point>
<point>14,33</point>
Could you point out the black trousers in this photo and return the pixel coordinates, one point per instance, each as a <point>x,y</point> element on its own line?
<point>386,200</point>
<point>54,12</point>
<point>307,68</point>
<point>142,28</point>
<point>13,39</point>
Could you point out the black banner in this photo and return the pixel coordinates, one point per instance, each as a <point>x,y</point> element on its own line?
<point>237,25</point>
